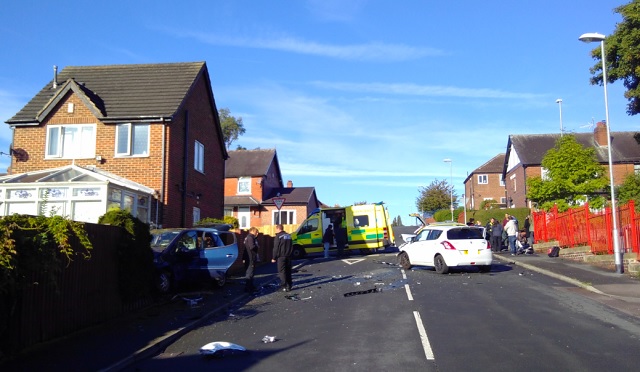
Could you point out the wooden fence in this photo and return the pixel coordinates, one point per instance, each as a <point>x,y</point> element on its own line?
<point>582,227</point>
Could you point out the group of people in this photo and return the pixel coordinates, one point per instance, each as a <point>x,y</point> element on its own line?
<point>517,241</point>
<point>282,249</point>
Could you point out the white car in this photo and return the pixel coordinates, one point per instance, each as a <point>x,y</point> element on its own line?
<point>445,246</point>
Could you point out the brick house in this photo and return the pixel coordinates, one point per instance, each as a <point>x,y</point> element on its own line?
<point>485,183</point>
<point>525,153</point>
<point>252,180</point>
<point>152,127</point>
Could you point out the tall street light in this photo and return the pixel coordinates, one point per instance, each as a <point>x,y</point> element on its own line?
<point>589,38</point>
<point>451,180</point>
<point>559,102</point>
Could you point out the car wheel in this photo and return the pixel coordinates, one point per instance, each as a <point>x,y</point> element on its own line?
<point>297,253</point>
<point>221,281</point>
<point>404,261</point>
<point>440,265</point>
<point>485,268</point>
<point>163,282</point>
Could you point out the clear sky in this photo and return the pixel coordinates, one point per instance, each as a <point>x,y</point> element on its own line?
<point>362,99</point>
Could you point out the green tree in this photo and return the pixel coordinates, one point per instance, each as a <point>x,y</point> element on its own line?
<point>630,190</point>
<point>232,127</point>
<point>436,196</point>
<point>573,176</point>
<point>622,50</point>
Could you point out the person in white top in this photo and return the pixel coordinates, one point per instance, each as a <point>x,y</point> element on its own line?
<point>512,232</point>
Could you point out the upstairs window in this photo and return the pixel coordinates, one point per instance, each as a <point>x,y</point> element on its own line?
<point>544,174</point>
<point>132,139</point>
<point>71,141</point>
<point>244,185</point>
<point>482,179</point>
<point>198,157</point>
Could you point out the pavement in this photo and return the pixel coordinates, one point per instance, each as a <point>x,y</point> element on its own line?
<point>140,335</point>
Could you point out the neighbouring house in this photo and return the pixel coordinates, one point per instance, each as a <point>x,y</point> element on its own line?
<point>253,180</point>
<point>145,138</point>
<point>485,183</point>
<point>525,153</point>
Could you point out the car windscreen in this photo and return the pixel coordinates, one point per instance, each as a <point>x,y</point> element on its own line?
<point>163,239</point>
<point>464,234</point>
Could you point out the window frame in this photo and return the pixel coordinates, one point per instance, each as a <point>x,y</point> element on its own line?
<point>131,139</point>
<point>198,156</point>
<point>89,151</point>
<point>291,216</point>
<point>241,181</point>
<point>483,177</point>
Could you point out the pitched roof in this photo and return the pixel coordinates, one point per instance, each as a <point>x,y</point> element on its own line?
<point>293,195</point>
<point>494,165</point>
<point>240,201</point>
<point>531,148</point>
<point>250,163</point>
<point>118,92</point>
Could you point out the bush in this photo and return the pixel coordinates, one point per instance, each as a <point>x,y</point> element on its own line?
<point>135,258</point>
<point>230,220</point>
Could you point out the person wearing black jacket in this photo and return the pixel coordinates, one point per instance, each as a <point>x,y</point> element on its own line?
<point>282,249</point>
<point>250,256</point>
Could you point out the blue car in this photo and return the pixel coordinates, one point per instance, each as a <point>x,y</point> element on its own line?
<point>192,255</point>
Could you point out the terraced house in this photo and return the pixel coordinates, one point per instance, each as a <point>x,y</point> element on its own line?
<point>145,138</point>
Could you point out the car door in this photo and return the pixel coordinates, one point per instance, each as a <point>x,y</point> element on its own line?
<point>418,249</point>
<point>186,253</point>
<point>219,251</point>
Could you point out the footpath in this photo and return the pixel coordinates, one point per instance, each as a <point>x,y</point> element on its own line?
<point>120,343</point>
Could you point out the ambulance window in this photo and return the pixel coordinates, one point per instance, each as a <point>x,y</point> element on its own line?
<point>310,225</point>
<point>361,221</point>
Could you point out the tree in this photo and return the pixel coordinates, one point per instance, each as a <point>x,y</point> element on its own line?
<point>573,176</point>
<point>488,204</point>
<point>630,190</point>
<point>622,50</point>
<point>435,196</point>
<point>232,127</point>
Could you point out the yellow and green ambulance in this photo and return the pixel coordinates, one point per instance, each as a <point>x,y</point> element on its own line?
<point>367,227</point>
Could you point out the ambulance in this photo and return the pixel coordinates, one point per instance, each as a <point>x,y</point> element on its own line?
<point>367,228</point>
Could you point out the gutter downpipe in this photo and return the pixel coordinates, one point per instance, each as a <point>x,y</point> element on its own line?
<point>163,177</point>
<point>185,163</point>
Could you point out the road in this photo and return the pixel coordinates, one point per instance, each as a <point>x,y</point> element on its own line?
<point>367,314</point>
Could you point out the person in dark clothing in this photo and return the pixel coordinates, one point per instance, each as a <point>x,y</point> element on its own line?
<point>250,257</point>
<point>282,249</point>
<point>496,235</point>
<point>341,235</point>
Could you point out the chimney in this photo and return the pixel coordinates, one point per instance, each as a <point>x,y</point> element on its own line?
<point>289,184</point>
<point>600,134</point>
<point>55,76</point>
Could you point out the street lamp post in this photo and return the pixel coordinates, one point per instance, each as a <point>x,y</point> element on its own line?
<point>589,38</point>
<point>451,180</point>
<point>559,102</point>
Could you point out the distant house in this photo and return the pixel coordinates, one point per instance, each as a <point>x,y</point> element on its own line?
<point>252,181</point>
<point>145,138</point>
<point>485,183</point>
<point>525,153</point>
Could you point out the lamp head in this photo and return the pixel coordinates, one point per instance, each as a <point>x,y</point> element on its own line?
<point>559,100</point>
<point>447,160</point>
<point>591,37</point>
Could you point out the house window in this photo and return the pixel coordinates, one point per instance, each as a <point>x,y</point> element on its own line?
<point>244,185</point>
<point>71,141</point>
<point>228,212</point>
<point>482,179</point>
<point>514,185</point>
<point>132,139</point>
<point>636,168</point>
<point>196,215</point>
<point>501,182</point>
<point>284,217</point>
<point>544,174</point>
<point>198,157</point>
<point>503,200</point>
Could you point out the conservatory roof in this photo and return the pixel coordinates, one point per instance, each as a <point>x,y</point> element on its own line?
<point>73,174</point>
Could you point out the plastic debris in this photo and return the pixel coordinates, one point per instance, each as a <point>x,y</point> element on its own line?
<point>218,346</point>
<point>293,297</point>
<point>357,283</point>
<point>269,339</point>
<point>374,290</point>
<point>306,298</point>
<point>193,301</point>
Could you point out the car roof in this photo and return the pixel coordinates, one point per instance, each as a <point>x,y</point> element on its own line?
<point>178,229</point>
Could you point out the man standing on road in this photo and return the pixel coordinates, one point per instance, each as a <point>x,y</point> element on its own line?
<point>512,233</point>
<point>327,240</point>
<point>496,235</point>
<point>282,249</point>
<point>251,256</point>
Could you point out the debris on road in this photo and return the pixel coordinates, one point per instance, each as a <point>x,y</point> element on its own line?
<point>214,348</point>
<point>374,290</point>
<point>269,339</point>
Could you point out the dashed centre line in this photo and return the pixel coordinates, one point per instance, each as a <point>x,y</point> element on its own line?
<point>428,352</point>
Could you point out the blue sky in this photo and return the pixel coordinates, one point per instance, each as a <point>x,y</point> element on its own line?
<point>362,99</point>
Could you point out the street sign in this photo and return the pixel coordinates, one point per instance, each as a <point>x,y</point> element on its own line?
<point>278,202</point>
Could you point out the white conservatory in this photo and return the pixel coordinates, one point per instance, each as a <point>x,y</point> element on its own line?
<point>79,193</point>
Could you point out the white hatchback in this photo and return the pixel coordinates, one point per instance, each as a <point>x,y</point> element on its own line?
<point>445,246</point>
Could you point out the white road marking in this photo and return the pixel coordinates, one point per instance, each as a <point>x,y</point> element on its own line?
<point>404,274</point>
<point>423,337</point>
<point>352,261</point>
<point>406,287</point>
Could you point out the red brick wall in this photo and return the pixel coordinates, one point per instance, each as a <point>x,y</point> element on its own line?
<point>479,192</point>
